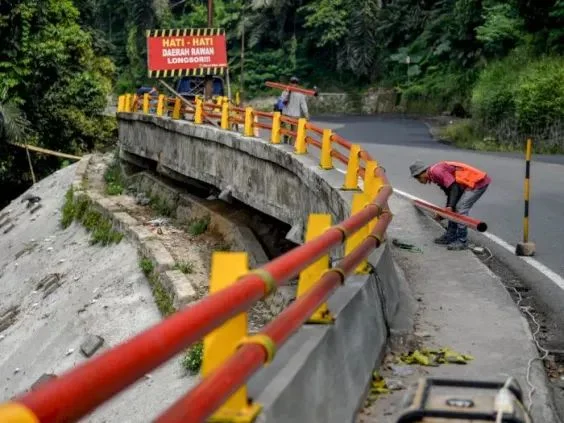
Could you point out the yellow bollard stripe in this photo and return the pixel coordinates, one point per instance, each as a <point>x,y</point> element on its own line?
<point>263,340</point>
<point>13,412</point>
<point>270,285</point>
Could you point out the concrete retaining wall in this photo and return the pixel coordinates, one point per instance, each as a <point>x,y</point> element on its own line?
<point>323,371</point>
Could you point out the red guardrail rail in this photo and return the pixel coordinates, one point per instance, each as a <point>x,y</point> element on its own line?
<point>79,391</point>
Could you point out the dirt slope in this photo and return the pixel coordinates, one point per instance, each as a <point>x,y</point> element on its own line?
<point>98,291</point>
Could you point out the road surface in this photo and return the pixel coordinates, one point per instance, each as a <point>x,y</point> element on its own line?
<point>396,142</point>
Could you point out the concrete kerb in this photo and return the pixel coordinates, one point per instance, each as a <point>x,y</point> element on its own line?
<point>176,283</point>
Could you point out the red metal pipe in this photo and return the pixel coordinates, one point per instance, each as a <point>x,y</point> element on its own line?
<point>263,125</point>
<point>202,401</point>
<point>263,114</point>
<point>314,128</point>
<point>294,88</point>
<point>81,390</point>
<point>288,119</point>
<point>470,222</point>
<point>285,131</point>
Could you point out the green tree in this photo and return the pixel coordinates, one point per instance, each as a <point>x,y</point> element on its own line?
<point>50,70</point>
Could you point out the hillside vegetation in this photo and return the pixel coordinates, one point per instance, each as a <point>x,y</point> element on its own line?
<point>499,61</point>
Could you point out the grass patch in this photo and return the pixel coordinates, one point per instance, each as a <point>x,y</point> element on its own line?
<point>161,207</point>
<point>464,134</point>
<point>198,226</point>
<point>192,360</point>
<point>185,267</point>
<point>100,227</point>
<point>114,178</point>
<point>160,295</point>
<point>146,266</point>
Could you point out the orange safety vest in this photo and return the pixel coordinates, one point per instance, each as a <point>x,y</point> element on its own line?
<point>466,175</point>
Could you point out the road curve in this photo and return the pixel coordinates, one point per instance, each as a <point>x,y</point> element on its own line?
<point>396,142</point>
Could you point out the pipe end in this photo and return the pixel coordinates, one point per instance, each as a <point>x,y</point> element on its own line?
<point>482,227</point>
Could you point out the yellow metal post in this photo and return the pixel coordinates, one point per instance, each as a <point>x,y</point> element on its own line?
<point>219,345</point>
<point>127,103</point>
<point>121,103</point>
<point>326,161</point>
<point>249,119</point>
<point>301,147</point>
<point>371,186</point>
<point>12,412</point>
<point>358,203</point>
<point>135,103</point>
<point>275,134</point>
<point>225,115</point>
<point>199,113</point>
<point>146,103</point>
<point>370,180</point>
<point>160,105</point>
<point>176,110</point>
<point>351,178</point>
<point>316,225</point>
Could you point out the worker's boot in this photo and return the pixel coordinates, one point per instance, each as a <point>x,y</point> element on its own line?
<point>444,239</point>
<point>449,236</point>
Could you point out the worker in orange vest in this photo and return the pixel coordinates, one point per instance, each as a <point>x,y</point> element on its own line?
<point>463,185</point>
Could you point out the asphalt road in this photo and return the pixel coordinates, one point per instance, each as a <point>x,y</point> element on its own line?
<point>396,142</point>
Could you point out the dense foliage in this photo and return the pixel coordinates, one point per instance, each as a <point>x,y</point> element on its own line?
<point>499,60</point>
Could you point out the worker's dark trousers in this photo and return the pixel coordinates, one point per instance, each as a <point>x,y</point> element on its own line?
<point>459,232</point>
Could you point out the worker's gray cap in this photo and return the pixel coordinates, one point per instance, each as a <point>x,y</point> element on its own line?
<point>417,168</point>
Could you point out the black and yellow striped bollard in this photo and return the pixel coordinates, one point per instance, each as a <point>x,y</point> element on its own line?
<point>526,248</point>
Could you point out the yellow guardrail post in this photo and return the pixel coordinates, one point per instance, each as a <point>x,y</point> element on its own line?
<point>301,147</point>
<point>146,103</point>
<point>351,178</point>
<point>135,103</point>
<point>160,105</point>
<point>220,344</point>
<point>249,119</point>
<point>359,201</point>
<point>326,161</point>
<point>121,103</point>
<point>317,224</point>
<point>275,134</point>
<point>371,186</point>
<point>176,110</point>
<point>199,113</point>
<point>225,115</point>
<point>127,103</point>
<point>13,412</point>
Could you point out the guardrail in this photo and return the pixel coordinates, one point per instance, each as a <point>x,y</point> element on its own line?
<point>230,356</point>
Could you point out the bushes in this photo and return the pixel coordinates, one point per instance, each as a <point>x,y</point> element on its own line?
<point>519,97</point>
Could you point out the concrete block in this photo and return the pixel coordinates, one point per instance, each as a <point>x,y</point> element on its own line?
<point>45,377</point>
<point>526,249</point>
<point>91,345</point>
<point>160,256</point>
<point>107,204</point>
<point>179,287</point>
<point>139,233</point>
<point>124,220</point>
